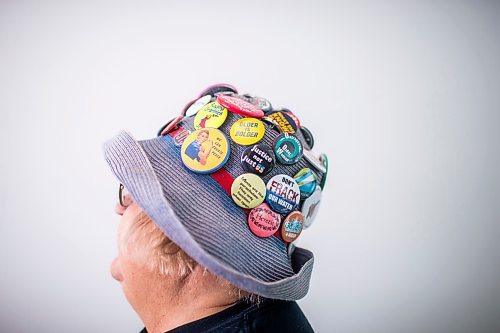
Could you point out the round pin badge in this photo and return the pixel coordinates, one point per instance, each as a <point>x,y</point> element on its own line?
<point>283,193</point>
<point>271,123</point>
<point>295,119</point>
<point>306,179</point>
<point>211,115</point>
<point>180,136</point>
<point>314,160</point>
<point>248,190</point>
<point>239,106</point>
<point>229,93</point>
<point>260,102</point>
<point>195,106</point>
<point>263,221</point>
<point>324,159</point>
<point>284,121</point>
<point>258,159</point>
<point>205,150</point>
<point>218,88</point>
<point>288,148</point>
<point>247,131</point>
<point>263,103</point>
<point>292,226</point>
<point>310,207</point>
<point>308,137</point>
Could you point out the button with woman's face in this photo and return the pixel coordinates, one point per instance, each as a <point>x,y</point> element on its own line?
<point>205,150</point>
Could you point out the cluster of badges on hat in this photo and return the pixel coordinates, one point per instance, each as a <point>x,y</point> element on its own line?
<point>284,205</point>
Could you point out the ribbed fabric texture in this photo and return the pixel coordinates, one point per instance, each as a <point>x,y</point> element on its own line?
<point>233,165</point>
<point>195,212</point>
<point>213,219</point>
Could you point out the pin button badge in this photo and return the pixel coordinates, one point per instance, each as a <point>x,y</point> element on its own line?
<point>310,207</point>
<point>272,124</point>
<point>205,150</point>
<point>306,179</point>
<point>260,102</point>
<point>283,193</point>
<point>248,190</point>
<point>296,120</point>
<point>284,121</point>
<point>308,137</point>
<point>324,159</point>
<point>258,159</point>
<point>263,222</point>
<point>288,148</point>
<point>218,88</point>
<point>292,226</point>
<point>195,106</point>
<point>229,93</point>
<point>211,115</point>
<point>247,131</point>
<point>239,106</point>
<point>315,161</point>
<point>180,136</point>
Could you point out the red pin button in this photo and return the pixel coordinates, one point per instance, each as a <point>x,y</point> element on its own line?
<point>263,221</point>
<point>239,106</point>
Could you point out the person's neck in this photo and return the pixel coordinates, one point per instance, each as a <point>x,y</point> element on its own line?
<point>169,307</point>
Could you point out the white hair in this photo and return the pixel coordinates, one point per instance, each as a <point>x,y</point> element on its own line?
<point>148,245</point>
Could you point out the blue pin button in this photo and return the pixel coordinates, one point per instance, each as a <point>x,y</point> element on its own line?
<point>306,179</point>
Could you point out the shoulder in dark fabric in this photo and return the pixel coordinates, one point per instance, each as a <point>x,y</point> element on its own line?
<point>269,316</point>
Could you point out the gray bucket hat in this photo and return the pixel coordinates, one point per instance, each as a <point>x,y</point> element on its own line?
<point>197,213</point>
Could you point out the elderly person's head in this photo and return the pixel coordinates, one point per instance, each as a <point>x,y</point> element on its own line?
<point>150,267</point>
<point>206,229</point>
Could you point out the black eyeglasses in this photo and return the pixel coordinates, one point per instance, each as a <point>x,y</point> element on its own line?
<point>123,196</point>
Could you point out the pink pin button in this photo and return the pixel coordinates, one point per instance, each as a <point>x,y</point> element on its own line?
<point>239,106</point>
<point>263,221</point>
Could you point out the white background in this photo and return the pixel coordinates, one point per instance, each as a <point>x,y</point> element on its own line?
<point>403,97</point>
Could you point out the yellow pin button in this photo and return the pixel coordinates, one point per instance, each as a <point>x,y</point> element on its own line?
<point>211,115</point>
<point>205,150</point>
<point>247,131</point>
<point>248,190</point>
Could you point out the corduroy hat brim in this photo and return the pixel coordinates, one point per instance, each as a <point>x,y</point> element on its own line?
<point>199,216</point>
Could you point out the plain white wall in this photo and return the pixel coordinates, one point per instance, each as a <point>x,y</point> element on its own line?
<point>402,96</point>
